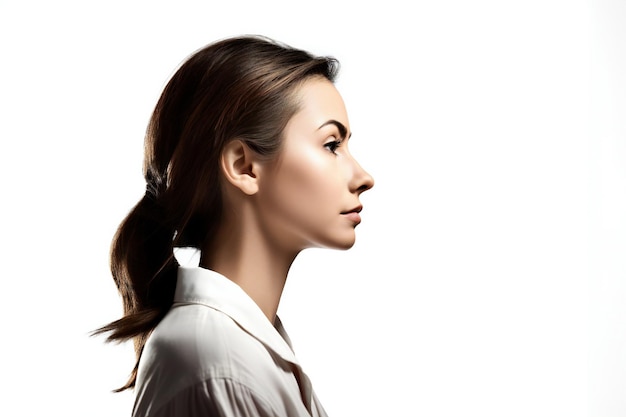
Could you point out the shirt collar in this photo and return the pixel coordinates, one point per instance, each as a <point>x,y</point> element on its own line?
<point>203,286</point>
<point>198,285</point>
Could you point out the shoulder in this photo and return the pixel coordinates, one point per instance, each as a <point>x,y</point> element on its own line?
<point>200,357</point>
<point>199,341</point>
<point>198,349</point>
<point>213,397</point>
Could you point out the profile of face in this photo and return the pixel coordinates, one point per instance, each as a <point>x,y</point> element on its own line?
<point>309,195</point>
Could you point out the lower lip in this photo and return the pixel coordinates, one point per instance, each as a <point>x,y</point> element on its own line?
<point>354,217</point>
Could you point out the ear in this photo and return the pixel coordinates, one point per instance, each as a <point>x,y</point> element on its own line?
<point>240,166</point>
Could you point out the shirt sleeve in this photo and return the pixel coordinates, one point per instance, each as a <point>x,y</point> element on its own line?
<point>219,397</point>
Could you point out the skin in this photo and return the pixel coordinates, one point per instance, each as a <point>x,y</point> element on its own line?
<point>307,197</point>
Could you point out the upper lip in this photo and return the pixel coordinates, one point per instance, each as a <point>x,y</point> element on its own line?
<point>357,209</point>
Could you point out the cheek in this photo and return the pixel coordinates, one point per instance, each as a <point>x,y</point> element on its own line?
<point>304,169</point>
<point>306,181</point>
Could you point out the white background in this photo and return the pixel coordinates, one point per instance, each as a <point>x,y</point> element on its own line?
<point>488,276</point>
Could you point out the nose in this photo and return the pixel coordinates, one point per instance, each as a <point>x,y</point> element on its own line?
<point>361,179</point>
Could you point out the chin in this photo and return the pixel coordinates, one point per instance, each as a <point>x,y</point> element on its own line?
<point>343,244</point>
<point>337,241</point>
<point>347,246</point>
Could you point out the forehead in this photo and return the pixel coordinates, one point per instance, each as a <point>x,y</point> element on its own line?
<point>318,102</point>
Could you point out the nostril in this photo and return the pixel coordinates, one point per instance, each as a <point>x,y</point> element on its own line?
<point>365,186</point>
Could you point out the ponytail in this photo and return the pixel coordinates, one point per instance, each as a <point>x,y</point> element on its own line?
<point>144,269</point>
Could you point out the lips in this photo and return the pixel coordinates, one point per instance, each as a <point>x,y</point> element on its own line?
<point>357,210</point>
<point>353,214</point>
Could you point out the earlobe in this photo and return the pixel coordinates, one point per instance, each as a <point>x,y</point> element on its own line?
<point>239,166</point>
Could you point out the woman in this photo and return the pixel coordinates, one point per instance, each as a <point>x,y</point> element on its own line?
<point>246,159</point>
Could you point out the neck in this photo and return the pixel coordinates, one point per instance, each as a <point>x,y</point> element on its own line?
<point>241,253</point>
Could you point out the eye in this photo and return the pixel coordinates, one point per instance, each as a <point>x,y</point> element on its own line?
<point>333,145</point>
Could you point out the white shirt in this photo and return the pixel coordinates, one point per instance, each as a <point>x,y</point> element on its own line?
<point>216,354</point>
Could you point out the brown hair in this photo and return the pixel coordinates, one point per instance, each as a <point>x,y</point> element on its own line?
<point>240,87</point>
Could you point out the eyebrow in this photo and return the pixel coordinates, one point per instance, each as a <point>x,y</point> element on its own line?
<point>343,131</point>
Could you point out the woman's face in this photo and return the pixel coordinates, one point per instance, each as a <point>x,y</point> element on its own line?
<point>309,196</point>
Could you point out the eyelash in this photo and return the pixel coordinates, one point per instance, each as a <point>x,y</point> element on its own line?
<point>333,145</point>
